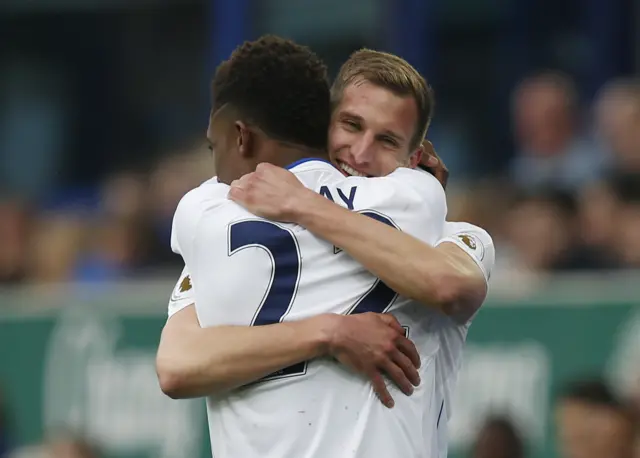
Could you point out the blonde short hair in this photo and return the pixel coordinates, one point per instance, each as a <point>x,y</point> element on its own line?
<point>390,72</point>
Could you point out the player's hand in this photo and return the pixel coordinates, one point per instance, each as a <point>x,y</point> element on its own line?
<point>270,192</point>
<point>374,344</point>
<point>432,163</point>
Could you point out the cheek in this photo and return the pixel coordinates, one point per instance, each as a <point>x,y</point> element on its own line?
<point>336,135</point>
<point>338,139</point>
<point>387,162</point>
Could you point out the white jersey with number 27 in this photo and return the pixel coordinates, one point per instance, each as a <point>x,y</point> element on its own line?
<point>249,271</point>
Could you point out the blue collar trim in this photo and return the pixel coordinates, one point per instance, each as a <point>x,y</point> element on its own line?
<point>307,159</point>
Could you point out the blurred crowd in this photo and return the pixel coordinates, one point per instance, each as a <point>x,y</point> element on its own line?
<point>569,199</point>
<point>590,421</point>
<point>121,230</point>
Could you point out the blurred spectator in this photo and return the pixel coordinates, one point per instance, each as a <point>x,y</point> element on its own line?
<point>597,220</point>
<point>171,179</point>
<point>593,423</point>
<point>14,223</point>
<point>498,438</point>
<point>54,247</point>
<point>550,150</point>
<point>625,242</point>
<point>111,246</point>
<point>542,235</point>
<point>617,112</point>
<point>485,206</point>
<point>609,219</point>
<point>123,195</point>
<point>112,249</point>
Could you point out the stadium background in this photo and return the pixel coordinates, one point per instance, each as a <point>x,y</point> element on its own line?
<point>103,109</point>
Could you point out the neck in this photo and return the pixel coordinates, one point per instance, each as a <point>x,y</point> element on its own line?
<point>281,154</point>
<point>285,154</point>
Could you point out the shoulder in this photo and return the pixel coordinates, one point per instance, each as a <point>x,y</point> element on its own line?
<point>418,180</point>
<point>414,201</point>
<point>460,229</point>
<point>404,185</point>
<point>414,190</point>
<point>474,240</point>
<point>209,193</point>
<point>315,173</point>
<point>209,197</point>
<point>195,206</point>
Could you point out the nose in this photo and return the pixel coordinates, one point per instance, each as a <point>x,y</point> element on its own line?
<point>361,151</point>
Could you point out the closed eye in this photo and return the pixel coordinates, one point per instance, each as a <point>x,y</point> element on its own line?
<point>352,125</point>
<point>390,141</point>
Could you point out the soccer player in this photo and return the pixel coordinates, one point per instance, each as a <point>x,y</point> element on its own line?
<point>275,194</point>
<point>452,278</point>
<point>250,271</point>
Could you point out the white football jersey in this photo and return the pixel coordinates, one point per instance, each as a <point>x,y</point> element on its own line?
<point>479,245</point>
<point>250,271</point>
<point>182,294</point>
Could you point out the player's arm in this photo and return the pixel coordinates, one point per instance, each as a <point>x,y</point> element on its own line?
<point>442,278</point>
<point>473,244</point>
<point>194,361</point>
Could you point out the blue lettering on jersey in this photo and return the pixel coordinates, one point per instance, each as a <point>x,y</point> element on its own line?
<point>380,297</point>
<point>324,191</point>
<point>286,264</point>
<point>282,246</point>
<point>348,201</point>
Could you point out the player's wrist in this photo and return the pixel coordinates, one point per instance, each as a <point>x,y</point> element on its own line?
<point>323,333</point>
<point>301,205</point>
<point>310,207</point>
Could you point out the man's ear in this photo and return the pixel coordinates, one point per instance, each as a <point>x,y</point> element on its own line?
<point>416,156</point>
<point>244,139</point>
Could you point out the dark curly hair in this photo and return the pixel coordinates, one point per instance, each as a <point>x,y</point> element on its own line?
<point>279,86</point>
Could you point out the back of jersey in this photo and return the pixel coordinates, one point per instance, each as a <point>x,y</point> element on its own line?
<point>250,271</point>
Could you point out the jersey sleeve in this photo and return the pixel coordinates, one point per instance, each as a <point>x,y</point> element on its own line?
<point>185,222</point>
<point>475,241</point>
<point>205,199</point>
<point>411,201</point>
<point>192,217</point>
<point>183,294</point>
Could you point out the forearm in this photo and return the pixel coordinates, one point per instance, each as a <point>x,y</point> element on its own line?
<point>199,361</point>
<point>410,267</point>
